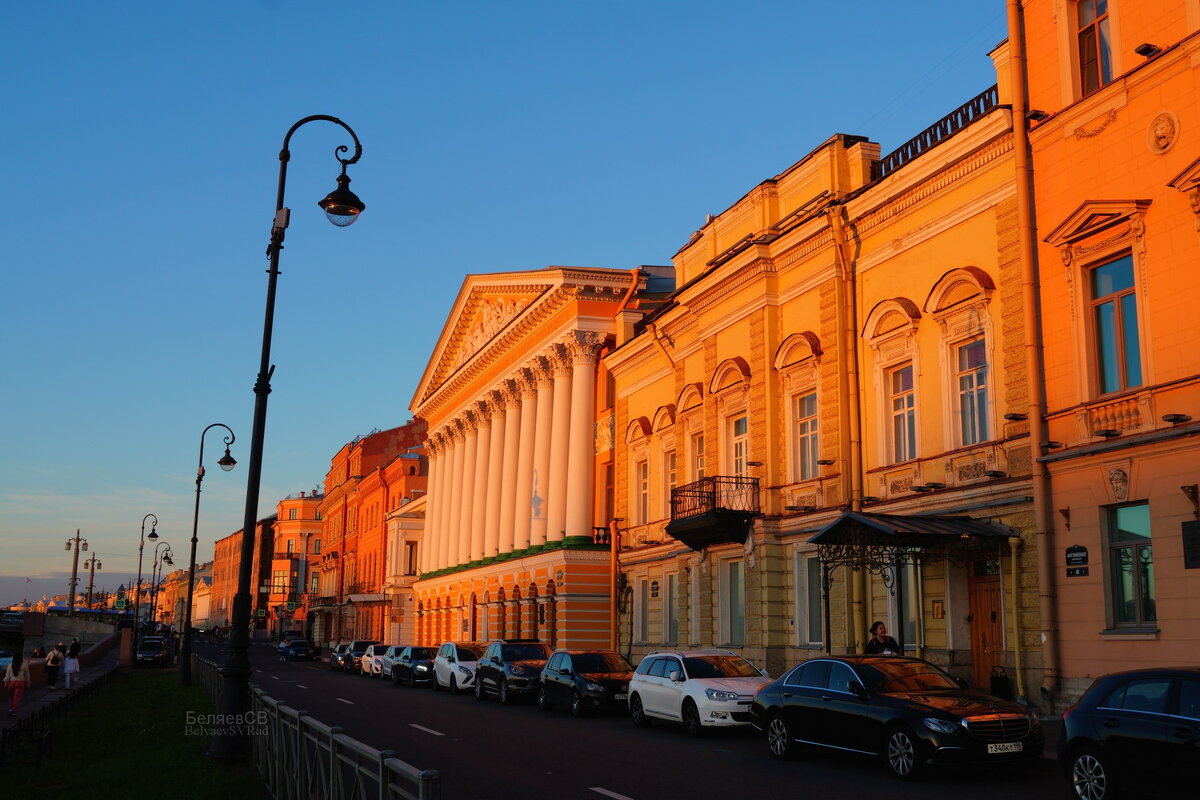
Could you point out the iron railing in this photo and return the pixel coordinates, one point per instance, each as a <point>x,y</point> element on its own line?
<point>939,131</point>
<point>717,493</point>
<point>301,757</point>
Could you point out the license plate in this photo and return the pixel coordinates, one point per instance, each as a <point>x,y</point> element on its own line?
<point>621,696</point>
<point>1004,747</point>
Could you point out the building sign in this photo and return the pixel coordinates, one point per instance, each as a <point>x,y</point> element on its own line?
<point>1076,572</point>
<point>260,612</point>
<point>1077,556</point>
<point>291,606</point>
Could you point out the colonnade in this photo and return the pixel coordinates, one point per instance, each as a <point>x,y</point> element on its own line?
<point>512,472</point>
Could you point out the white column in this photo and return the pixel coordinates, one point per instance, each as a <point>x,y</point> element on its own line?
<point>454,501</point>
<point>524,473</point>
<point>512,429</point>
<point>433,551</point>
<point>462,536</point>
<point>435,469</point>
<point>581,460</point>
<point>495,487</point>
<point>560,429</point>
<point>541,452</point>
<point>482,479</point>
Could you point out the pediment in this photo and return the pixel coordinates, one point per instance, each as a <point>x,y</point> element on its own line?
<point>1094,217</point>
<point>1189,179</point>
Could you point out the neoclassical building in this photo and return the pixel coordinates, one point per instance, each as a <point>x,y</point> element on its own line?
<point>516,541</point>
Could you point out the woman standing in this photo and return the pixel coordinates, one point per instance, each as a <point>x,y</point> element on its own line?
<point>882,644</point>
<point>16,678</point>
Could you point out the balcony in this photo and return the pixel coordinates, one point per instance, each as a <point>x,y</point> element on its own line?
<point>716,510</point>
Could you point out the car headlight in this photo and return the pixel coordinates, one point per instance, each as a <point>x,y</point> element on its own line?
<point>464,670</point>
<point>422,668</point>
<point>717,694</point>
<point>942,726</point>
<point>515,670</point>
<point>593,687</point>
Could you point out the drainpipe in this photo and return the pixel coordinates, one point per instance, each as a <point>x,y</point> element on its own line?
<point>1015,549</point>
<point>1043,525</point>
<point>848,396</point>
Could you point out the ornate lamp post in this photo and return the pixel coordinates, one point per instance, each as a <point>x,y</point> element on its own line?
<point>156,576</point>
<point>92,564</point>
<point>78,544</point>
<point>226,463</point>
<point>342,207</point>
<point>137,591</point>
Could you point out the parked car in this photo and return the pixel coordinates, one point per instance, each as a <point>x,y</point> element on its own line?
<point>414,665</point>
<point>388,659</point>
<point>353,663</point>
<point>454,665</point>
<point>338,656</point>
<point>6,658</point>
<point>904,710</point>
<point>152,650</point>
<point>700,688</point>
<point>371,661</point>
<point>585,680</point>
<point>511,668</point>
<point>1136,728</point>
<point>296,650</point>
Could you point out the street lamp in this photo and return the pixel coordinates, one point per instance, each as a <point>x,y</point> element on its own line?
<point>342,207</point>
<point>76,542</point>
<point>226,463</point>
<point>92,564</point>
<point>137,592</point>
<point>155,576</point>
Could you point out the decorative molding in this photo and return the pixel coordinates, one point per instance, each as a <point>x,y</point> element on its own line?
<point>1087,133</point>
<point>1163,132</point>
<point>1188,181</point>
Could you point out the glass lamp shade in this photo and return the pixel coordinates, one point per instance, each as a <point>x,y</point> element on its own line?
<point>342,206</point>
<point>68,547</point>
<point>153,534</point>
<point>83,547</point>
<point>227,461</point>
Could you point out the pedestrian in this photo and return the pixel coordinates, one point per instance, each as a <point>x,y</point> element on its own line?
<point>16,678</point>
<point>54,662</point>
<point>882,644</point>
<point>73,650</point>
<point>71,667</point>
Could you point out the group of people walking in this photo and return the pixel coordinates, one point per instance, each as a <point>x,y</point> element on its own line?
<point>59,659</point>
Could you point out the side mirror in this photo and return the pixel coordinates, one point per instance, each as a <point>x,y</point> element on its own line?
<point>564,671</point>
<point>857,689</point>
<point>675,676</point>
<point>962,683</point>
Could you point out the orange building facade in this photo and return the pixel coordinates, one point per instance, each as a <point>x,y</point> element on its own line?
<point>1114,91</point>
<point>295,554</point>
<point>227,555</point>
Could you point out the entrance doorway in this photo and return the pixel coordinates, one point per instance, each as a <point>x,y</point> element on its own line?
<point>987,621</point>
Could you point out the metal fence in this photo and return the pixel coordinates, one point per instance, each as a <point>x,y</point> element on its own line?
<point>301,757</point>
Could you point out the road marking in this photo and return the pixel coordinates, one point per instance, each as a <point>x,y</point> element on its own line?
<point>607,793</point>
<point>347,702</point>
<point>427,730</point>
<point>301,685</point>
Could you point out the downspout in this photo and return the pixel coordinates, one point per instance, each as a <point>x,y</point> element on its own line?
<point>849,389</point>
<point>1015,549</point>
<point>1034,368</point>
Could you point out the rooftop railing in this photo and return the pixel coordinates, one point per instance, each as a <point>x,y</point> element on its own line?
<point>938,132</point>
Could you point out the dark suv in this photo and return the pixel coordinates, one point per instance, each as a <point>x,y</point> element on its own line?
<point>511,668</point>
<point>585,680</point>
<point>352,661</point>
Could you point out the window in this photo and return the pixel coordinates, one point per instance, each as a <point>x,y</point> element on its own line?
<point>410,558</point>
<point>697,456</point>
<point>279,580</point>
<point>972,376</point>
<point>809,612</point>
<point>670,478</point>
<point>291,546</point>
<point>804,436</point>
<point>314,584</point>
<point>1131,566</point>
<point>318,516</point>
<point>316,546</point>
<point>739,445</point>
<point>902,397</point>
<point>671,609</point>
<point>641,488</point>
<point>1114,316</point>
<point>1095,45</point>
<point>733,601</point>
<point>643,611</point>
<point>293,513</point>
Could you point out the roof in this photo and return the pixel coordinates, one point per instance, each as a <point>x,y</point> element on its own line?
<point>906,530</point>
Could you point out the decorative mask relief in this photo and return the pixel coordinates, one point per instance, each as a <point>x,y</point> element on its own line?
<point>1163,132</point>
<point>1119,479</point>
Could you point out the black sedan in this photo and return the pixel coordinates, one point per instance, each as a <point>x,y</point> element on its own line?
<point>1138,728</point>
<point>585,680</point>
<point>413,666</point>
<point>906,710</point>
<point>152,650</point>
<point>296,650</point>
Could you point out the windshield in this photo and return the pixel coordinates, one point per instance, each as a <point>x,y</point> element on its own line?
<point>469,653</point>
<point>523,652</point>
<point>912,676</point>
<point>300,643</point>
<point>719,667</point>
<point>600,662</point>
<point>423,652</point>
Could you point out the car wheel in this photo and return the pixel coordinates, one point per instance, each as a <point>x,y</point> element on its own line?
<point>578,709</point>
<point>544,699</point>
<point>478,688</point>
<point>691,719</point>
<point>395,676</point>
<point>903,754</point>
<point>505,698</point>
<point>1091,775</point>
<point>437,685</point>
<point>453,685</point>
<point>638,712</point>
<point>780,741</point>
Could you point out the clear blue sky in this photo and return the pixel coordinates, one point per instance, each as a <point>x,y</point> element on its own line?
<point>141,141</point>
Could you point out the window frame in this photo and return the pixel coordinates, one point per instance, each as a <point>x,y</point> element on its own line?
<point>802,599</point>
<point>732,611</point>
<point>1121,332</point>
<point>1099,68</point>
<point>1112,547</point>
<point>670,608</point>
<point>908,414</point>
<point>980,393</point>
<point>804,432</point>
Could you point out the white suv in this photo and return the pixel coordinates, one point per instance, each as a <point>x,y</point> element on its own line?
<point>700,688</point>
<point>454,665</point>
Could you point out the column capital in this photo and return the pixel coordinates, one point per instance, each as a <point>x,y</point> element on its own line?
<point>559,360</point>
<point>584,346</point>
<point>543,371</point>
<point>526,381</point>
<point>510,391</point>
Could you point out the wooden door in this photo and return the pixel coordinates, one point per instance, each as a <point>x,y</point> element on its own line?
<point>987,622</point>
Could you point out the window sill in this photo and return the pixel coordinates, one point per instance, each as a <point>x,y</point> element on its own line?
<point>1130,634</point>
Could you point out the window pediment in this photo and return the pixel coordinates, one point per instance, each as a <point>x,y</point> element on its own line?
<point>730,373</point>
<point>1097,225</point>
<point>691,397</point>
<point>664,417</point>
<point>1189,181</point>
<point>897,315</point>
<point>957,287</point>
<point>797,348</point>
<point>639,428</point>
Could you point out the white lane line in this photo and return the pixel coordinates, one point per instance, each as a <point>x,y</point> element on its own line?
<point>301,685</point>
<point>274,677</point>
<point>427,730</point>
<point>347,702</point>
<point>607,793</point>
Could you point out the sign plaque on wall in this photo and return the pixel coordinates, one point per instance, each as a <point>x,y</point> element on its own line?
<point>1077,555</point>
<point>1076,572</point>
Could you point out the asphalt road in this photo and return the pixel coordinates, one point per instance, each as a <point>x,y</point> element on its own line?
<point>485,750</point>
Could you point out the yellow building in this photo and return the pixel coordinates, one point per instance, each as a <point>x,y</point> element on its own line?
<point>845,356</point>
<point>514,543</point>
<point>1115,138</point>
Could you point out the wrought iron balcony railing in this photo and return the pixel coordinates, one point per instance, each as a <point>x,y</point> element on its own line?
<point>939,131</point>
<point>718,493</point>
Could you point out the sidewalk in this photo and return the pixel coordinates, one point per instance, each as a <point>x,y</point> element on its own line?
<point>43,697</point>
